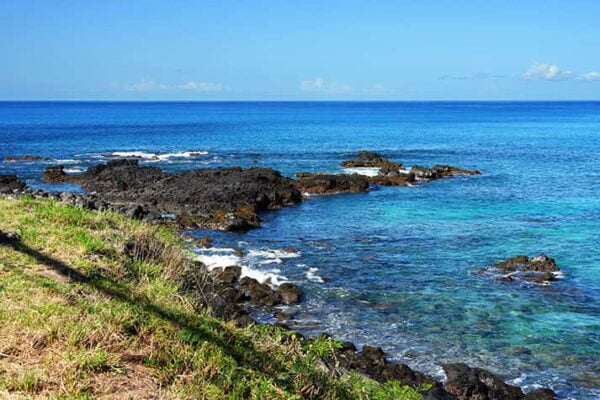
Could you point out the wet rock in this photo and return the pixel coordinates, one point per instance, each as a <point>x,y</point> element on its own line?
<point>449,170</point>
<point>400,179</point>
<point>368,159</point>
<point>540,269</point>
<point>216,198</point>
<point>205,242</point>
<point>229,275</point>
<point>239,253</point>
<point>468,383</point>
<point>319,183</point>
<point>25,158</point>
<point>541,394</point>
<point>282,315</point>
<point>259,294</point>
<point>440,171</point>
<point>290,294</point>
<point>424,172</point>
<point>57,174</point>
<point>10,184</point>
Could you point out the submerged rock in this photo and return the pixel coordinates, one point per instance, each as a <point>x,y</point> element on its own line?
<point>217,198</point>
<point>10,184</point>
<point>319,183</point>
<point>57,174</point>
<point>540,269</point>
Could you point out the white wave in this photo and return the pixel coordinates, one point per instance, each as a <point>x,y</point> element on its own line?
<point>312,276</point>
<point>73,170</point>
<point>273,254</point>
<point>213,260</point>
<point>272,261</point>
<point>183,154</point>
<point>362,171</point>
<point>66,161</point>
<point>157,156</point>
<point>224,257</point>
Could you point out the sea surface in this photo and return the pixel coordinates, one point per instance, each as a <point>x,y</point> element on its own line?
<point>394,267</point>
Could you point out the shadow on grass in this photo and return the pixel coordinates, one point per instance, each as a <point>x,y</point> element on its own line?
<point>249,357</point>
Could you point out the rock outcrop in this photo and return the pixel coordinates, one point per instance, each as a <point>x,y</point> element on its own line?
<point>540,269</point>
<point>217,198</point>
<point>393,173</point>
<point>468,383</point>
<point>57,174</point>
<point>10,184</point>
<point>320,183</point>
<point>369,159</point>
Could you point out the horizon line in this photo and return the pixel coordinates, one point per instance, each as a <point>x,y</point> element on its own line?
<point>292,101</point>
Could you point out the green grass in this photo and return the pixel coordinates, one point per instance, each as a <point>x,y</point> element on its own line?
<point>81,318</point>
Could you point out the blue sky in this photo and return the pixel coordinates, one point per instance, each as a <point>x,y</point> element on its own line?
<point>294,50</point>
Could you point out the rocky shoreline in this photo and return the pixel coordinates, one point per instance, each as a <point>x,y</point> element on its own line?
<point>231,199</point>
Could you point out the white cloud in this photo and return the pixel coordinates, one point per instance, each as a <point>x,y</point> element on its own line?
<point>552,72</point>
<point>548,72</point>
<point>590,76</point>
<point>145,85</point>
<point>314,84</point>
<point>323,86</point>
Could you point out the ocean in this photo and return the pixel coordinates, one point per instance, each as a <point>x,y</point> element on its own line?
<point>395,267</point>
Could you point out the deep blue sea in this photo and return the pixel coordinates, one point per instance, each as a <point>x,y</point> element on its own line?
<point>400,261</point>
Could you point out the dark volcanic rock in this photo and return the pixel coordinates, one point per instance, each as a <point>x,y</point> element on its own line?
<point>369,159</point>
<point>318,183</point>
<point>393,180</point>
<point>259,294</point>
<point>424,172</point>
<point>56,174</point>
<point>449,170</point>
<point>440,171</point>
<point>541,394</point>
<point>10,183</point>
<point>468,383</point>
<point>290,294</point>
<point>25,158</point>
<point>540,269</point>
<point>229,275</point>
<point>221,198</point>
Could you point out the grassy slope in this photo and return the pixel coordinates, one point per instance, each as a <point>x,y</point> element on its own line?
<point>80,319</point>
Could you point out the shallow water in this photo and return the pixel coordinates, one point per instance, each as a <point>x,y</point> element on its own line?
<point>401,260</point>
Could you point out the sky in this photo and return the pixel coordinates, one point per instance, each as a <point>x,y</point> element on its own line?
<point>299,50</point>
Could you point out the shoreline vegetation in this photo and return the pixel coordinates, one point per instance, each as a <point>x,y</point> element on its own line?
<point>100,300</point>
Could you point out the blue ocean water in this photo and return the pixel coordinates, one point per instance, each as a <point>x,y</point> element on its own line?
<point>400,261</point>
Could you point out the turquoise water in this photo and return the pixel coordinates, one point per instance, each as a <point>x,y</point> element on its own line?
<point>401,261</point>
